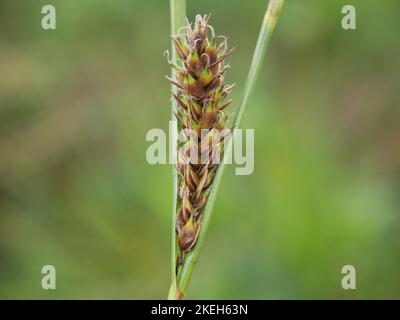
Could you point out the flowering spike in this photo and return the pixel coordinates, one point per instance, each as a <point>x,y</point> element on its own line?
<point>200,96</point>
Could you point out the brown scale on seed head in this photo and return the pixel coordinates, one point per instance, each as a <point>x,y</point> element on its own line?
<point>200,105</point>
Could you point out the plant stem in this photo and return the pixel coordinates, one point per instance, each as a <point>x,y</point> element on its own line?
<point>177,16</point>
<point>267,28</point>
<point>270,19</point>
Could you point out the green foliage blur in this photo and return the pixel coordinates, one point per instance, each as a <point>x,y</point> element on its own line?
<point>76,191</point>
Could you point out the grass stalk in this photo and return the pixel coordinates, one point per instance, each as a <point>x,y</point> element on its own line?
<point>267,28</point>
<point>177,17</point>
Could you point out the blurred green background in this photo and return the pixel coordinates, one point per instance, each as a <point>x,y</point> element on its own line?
<point>76,191</point>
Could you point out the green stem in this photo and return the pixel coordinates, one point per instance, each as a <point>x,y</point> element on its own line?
<point>267,28</point>
<point>177,16</point>
<point>270,19</point>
